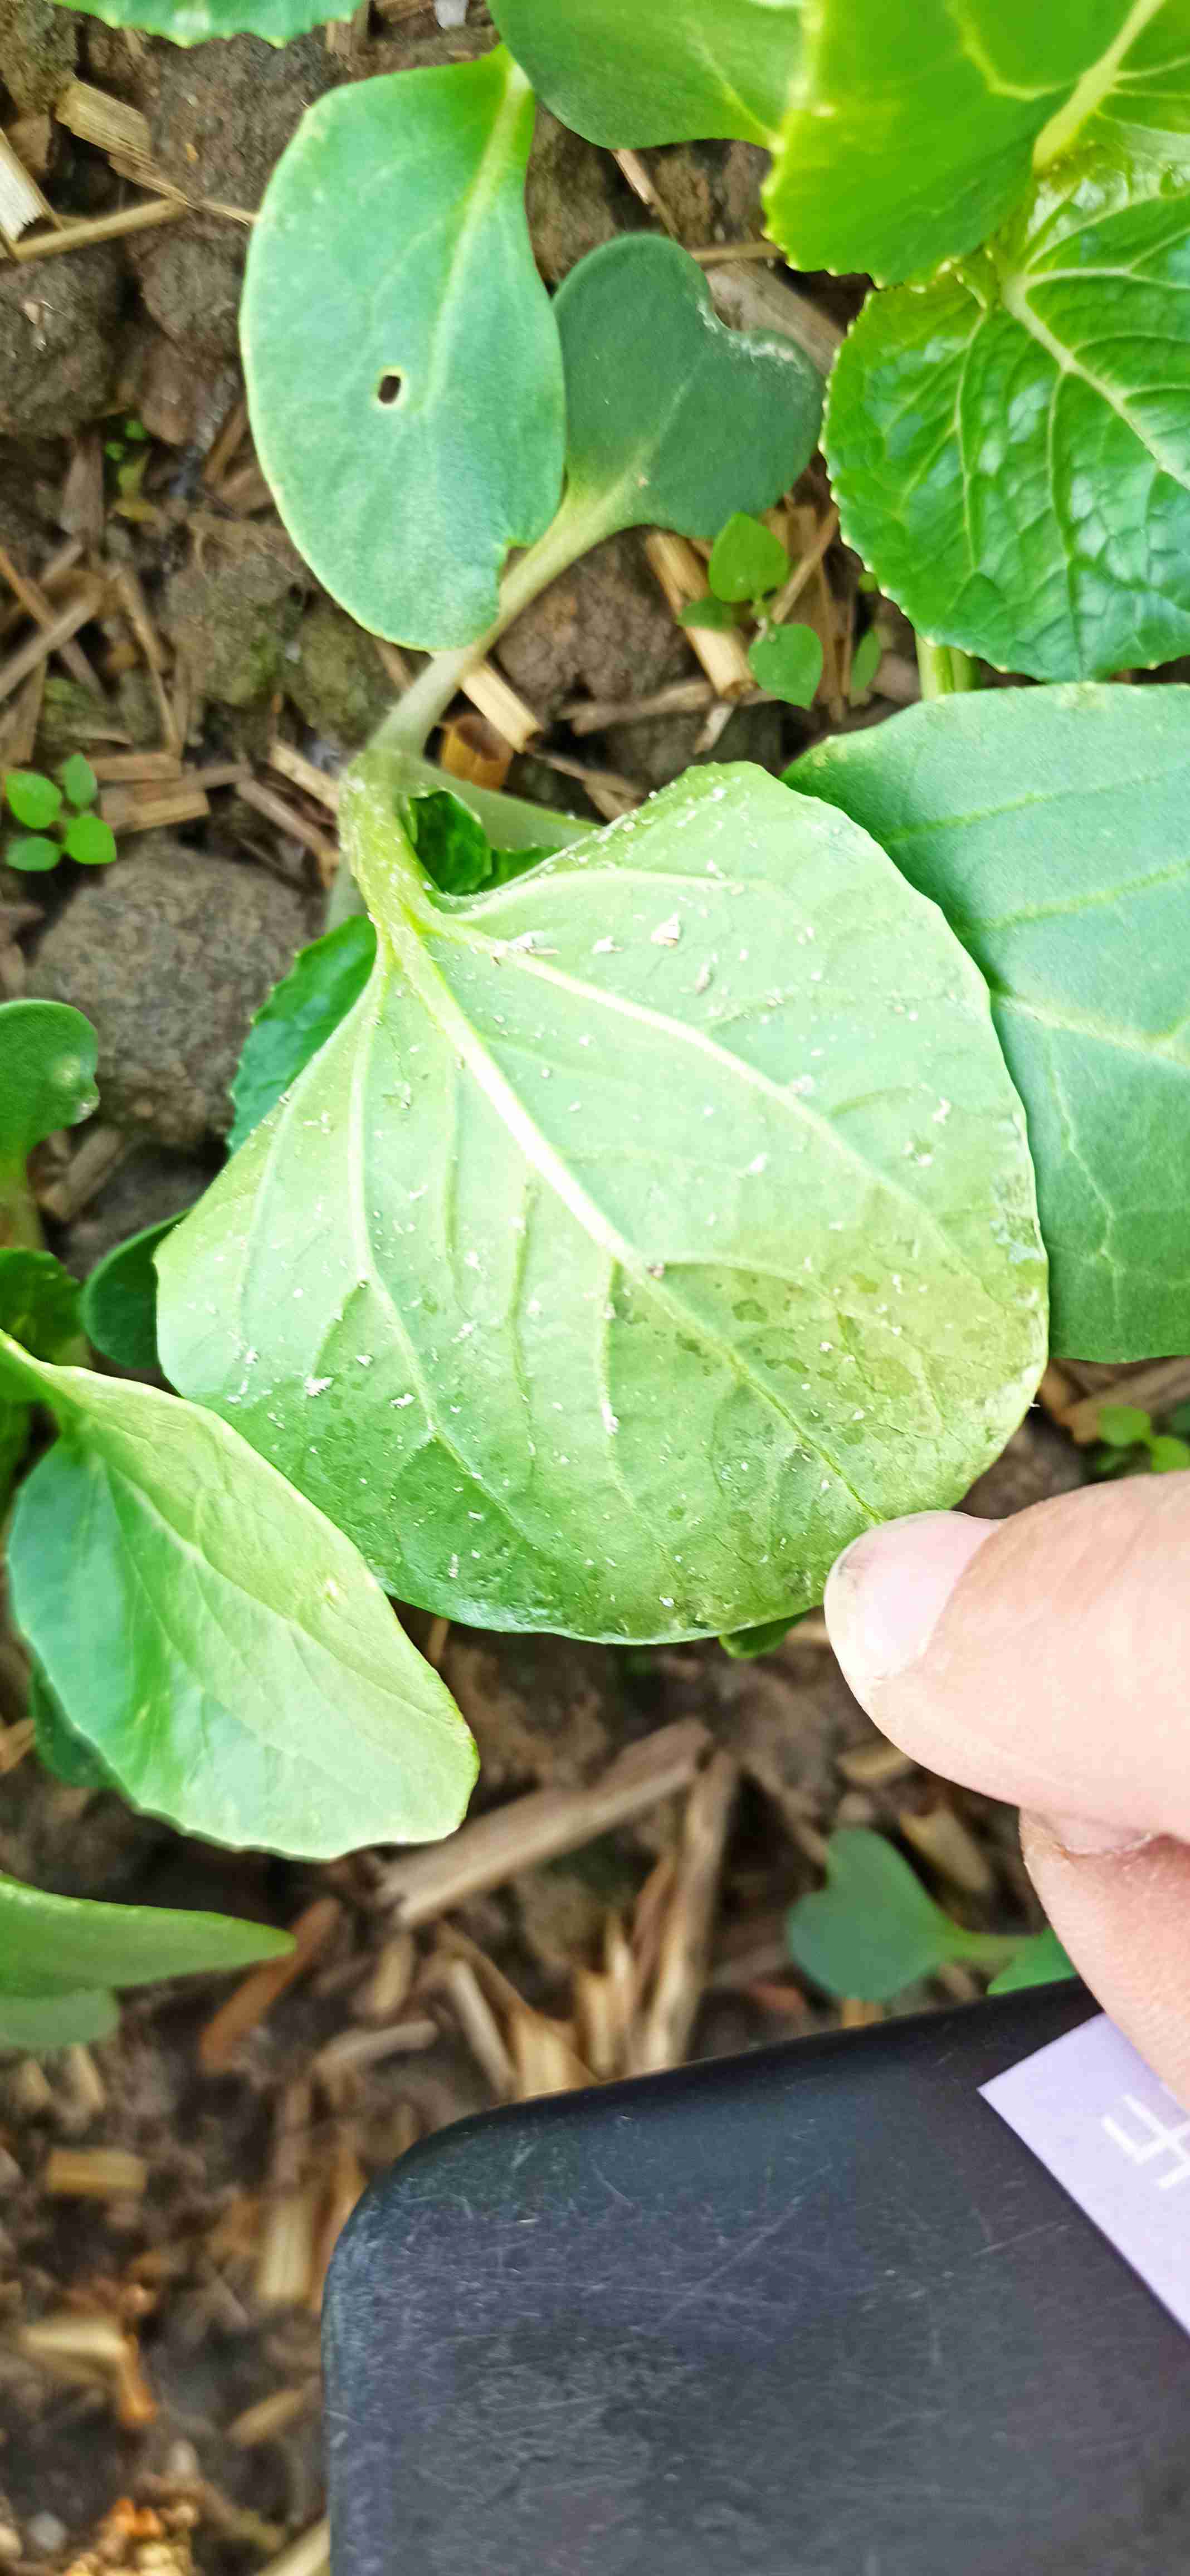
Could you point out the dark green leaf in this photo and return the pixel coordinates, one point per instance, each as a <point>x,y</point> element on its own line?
<point>1179,1421</point>
<point>1010,444</point>
<point>216,1641</point>
<point>39,1303</point>
<point>649,1228</point>
<point>747,560</point>
<point>57,1944</point>
<point>119,1302</point>
<point>15,1425</point>
<point>403,369</point>
<point>32,853</point>
<point>451,843</point>
<point>1040,1961</point>
<point>872,1930</point>
<point>714,613</point>
<point>191,22</point>
<point>70,1758</point>
<point>89,841</point>
<point>47,1075</point>
<point>79,782</point>
<point>36,2024</point>
<point>322,985</point>
<point>788,660</point>
<point>1050,825</point>
<point>33,799</point>
<point>652,377</point>
<point>745,1643</point>
<point>618,72</point>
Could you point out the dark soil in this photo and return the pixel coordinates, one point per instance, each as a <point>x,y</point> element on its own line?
<point>213,2269</point>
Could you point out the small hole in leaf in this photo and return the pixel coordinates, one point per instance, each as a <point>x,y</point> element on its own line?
<point>390,388</point>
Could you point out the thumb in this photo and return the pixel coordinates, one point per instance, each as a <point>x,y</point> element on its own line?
<point>1043,1660</point>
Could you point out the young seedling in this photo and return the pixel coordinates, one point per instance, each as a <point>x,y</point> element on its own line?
<point>872,1930</point>
<point>1132,1446</point>
<point>58,820</point>
<point>747,567</point>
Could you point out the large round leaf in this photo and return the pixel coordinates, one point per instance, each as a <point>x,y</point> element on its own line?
<point>649,1228</point>
<point>1010,444</point>
<point>1050,825</point>
<point>912,125</point>
<point>658,71</point>
<point>403,369</point>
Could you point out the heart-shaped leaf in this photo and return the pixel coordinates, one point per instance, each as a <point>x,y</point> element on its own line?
<point>192,22</point>
<point>747,560</point>
<point>217,1642</point>
<point>119,1302</point>
<point>47,1076</point>
<point>649,1227</point>
<point>618,72</point>
<point>788,660</point>
<point>1010,444</point>
<point>872,1930</point>
<point>403,369</point>
<point>672,420</point>
<point>911,129</point>
<point>1050,826</point>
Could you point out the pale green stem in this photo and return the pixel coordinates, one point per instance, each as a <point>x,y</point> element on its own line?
<point>946,671</point>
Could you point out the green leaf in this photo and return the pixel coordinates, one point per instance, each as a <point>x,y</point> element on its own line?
<point>89,841</point>
<point>33,799</point>
<point>301,1012</point>
<point>1179,1421</point>
<point>1010,444</point>
<point>652,378</point>
<point>788,660</point>
<point>119,1301</point>
<point>52,1945</point>
<point>403,369</point>
<point>715,613</point>
<point>865,662</point>
<point>1040,1961</point>
<point>47,1075</point>
<point>1050,825</point>
<point>450,841</point>
<point>743,1644</point>
<point>36,2024</point>
<point>872,1930</point>
<point>39,1303</point>
<point>79,782</point>
<point>1167,1456</point>
<point>32,853</point>
<point>191,22</point>
<point>912,128</point>
<point>649,1228</point>
<point>216,1641</point>
<point>747,560</point>
<point>1123,1425</point>
<point>618,72</point>
<point>59,1749</point>
<point>16,1422</point>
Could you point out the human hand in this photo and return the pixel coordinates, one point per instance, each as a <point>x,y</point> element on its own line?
<point>1046,1659</point>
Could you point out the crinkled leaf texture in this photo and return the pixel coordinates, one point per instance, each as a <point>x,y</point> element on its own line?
<point>913,125</point>
<point>649,1228</point>
<point>658,71</point>
<point>191,22</point>
<point>402,362</point>
<point>1050,826</point>
<point>214,1639</point>
<point>1010,444</point>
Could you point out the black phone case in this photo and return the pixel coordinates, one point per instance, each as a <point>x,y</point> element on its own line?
<point>810,2312</point>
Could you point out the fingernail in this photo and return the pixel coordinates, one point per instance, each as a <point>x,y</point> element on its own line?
<point>888,1590</point>
<point>1085,1840</point>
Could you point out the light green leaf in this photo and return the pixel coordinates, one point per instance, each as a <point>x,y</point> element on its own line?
<point>872,1930</point>
<point>865,662</point>
<point>649,1228</point>
<point>912,128</point>
<point>1050,825</point>
<point>788,660</point>
<point>79,781</point>
<point>403,369</point>
<point>47,1075</point>
<point>119,1301</point>
<point>1010,445</point>
<point>217,1642</point>
<point>32,853</point>
<point>191,22</point>
<point>33,799</point>
<point>658,71</point>
<point>36,2024</point>
<point>89,841</point>
<point>1040,1961</point>
<point>747,560</point>
<point>672,420</point>
<point>1123,1426</point>
<point>1167,1456</point>
<point>53,1945</point>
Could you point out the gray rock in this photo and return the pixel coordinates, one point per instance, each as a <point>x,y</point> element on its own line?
<point>60,340</point>
<point>603,627</point>
<point>169,953</point>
